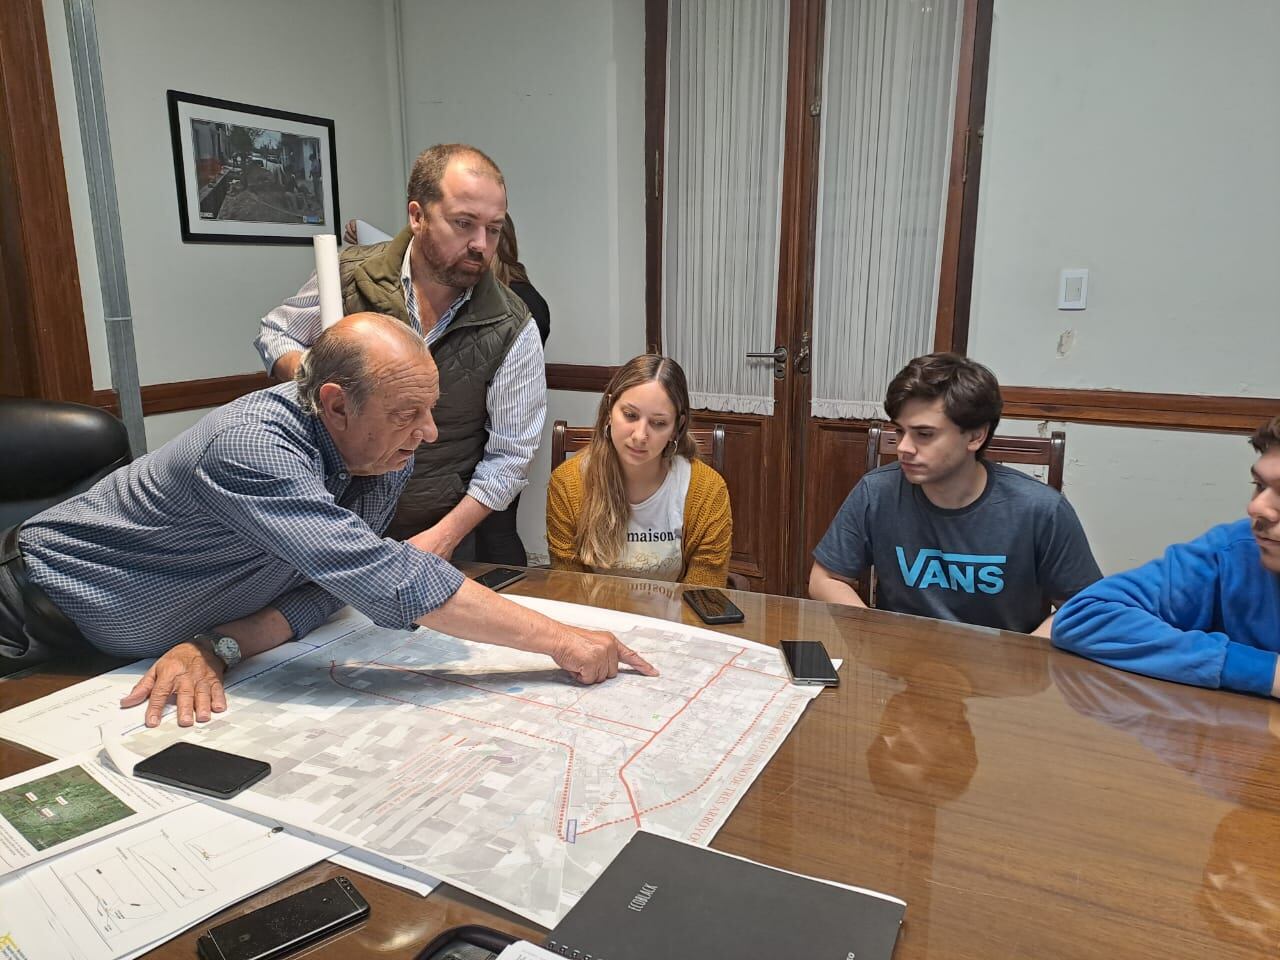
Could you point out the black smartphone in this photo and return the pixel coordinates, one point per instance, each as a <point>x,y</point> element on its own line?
<point>807,662</point>
<point>712,606</point>
<point>201,769</point>
<point>286,925</point>
<point>499,577</point>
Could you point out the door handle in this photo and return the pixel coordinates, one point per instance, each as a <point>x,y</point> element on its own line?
<point>779,358</point>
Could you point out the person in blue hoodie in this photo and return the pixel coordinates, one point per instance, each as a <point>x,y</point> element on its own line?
<point>1207,612</point>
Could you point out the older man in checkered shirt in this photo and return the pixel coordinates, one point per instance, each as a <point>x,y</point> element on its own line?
<point>255,525</point>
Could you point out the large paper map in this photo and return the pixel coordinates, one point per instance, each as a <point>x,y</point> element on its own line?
<point>492,770</point>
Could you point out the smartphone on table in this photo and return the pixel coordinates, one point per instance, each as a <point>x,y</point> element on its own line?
<point>807,662</point>
<point>214,773</point>
<point>284,926</point>
<point>712,606</point>
<point>499,577</point>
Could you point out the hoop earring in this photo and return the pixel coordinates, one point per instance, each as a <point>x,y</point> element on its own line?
<point>670,450</point>
<point>608,431</point>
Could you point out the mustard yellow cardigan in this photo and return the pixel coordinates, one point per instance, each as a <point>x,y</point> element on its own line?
<point>708,523</point>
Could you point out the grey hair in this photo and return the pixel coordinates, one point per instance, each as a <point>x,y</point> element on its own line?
<point>340,357</point>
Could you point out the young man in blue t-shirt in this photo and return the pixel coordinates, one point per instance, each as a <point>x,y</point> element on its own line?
<point>1208,611</point>
<point>950,535</point>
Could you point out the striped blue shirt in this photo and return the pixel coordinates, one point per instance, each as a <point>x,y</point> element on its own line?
<point>251,507</point>
<point>516,401</point>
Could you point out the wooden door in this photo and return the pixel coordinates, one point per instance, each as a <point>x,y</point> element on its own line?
<point>759,464</point>
<point>44,350</point>
<point>832,453</point>
<point>788,473</point>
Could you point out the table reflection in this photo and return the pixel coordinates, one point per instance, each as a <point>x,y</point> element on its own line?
<point>1229,746</point>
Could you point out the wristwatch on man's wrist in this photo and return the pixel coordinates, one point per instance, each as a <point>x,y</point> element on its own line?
<point>224,648</point>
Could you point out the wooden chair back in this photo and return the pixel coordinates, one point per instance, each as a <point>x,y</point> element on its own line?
<point>1051,451</point>
<point>566,440</point>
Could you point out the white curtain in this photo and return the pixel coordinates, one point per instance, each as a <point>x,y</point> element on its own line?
<point>887,109</point>
<point>726,94</point>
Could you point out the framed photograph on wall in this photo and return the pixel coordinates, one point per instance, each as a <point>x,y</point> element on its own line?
<point>248,174</point>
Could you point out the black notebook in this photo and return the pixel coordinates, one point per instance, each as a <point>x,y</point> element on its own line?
<point>662,898</point>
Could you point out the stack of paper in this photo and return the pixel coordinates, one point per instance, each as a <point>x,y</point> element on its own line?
<point>95,865</point>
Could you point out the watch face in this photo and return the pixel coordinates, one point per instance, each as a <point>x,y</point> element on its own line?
<point>227,650</point>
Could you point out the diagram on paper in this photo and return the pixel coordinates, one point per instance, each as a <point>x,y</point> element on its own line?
<point>119,885</point>
<point>490,768</point>
<point>121,895</point>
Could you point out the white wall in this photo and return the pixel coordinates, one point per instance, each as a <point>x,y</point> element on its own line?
<point>1137,491</point>
<point>196,306</point>
<point>1138,140</point>
<point>554,92</point>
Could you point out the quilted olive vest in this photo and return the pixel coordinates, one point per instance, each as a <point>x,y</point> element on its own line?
<point>468,356</point>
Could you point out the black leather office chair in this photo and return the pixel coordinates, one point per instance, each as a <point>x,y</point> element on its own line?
<point>50,450</point>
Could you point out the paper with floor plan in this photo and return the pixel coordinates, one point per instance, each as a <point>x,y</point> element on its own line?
<point>489,768</point>
<point>124,895</point>
<point>59,806</point>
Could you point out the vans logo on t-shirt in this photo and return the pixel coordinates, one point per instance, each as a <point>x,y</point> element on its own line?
<point>953,571</point>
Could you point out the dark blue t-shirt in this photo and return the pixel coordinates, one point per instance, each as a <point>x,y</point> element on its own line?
<point>999,562</point>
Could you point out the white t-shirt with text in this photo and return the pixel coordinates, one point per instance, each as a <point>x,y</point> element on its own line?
<point>655,533</point>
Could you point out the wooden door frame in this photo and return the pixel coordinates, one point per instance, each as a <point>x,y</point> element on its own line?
<point>797,256</point>
<point>42,333</point>
<point>655,138</point>
<point>798,239</point>
<point>960,230</point>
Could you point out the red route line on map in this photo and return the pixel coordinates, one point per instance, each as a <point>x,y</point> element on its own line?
<point>635,812</point>
<point>568,773</point>
<point>705,780</point>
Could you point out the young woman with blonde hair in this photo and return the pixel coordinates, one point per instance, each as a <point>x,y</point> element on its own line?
<point>638,502</point>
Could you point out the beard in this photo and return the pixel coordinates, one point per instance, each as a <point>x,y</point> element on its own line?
<point>461,272</point>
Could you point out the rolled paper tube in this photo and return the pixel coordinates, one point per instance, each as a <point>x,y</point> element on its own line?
<point>326,245</point>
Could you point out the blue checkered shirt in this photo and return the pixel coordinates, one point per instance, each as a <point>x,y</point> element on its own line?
<point>252,507</point>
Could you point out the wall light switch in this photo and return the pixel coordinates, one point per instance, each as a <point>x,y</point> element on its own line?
<point>1073,289</point>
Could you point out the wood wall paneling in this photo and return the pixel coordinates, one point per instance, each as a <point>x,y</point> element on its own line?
<point>1164,411</point>
<point>576,376</point>
<point>750,454</point>
<point>188,394</point>
<point>45,350</point>
<point>1123,408</point>
<point>838,448</point>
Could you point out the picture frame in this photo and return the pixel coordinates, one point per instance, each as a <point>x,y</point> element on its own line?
<point>248,174</point>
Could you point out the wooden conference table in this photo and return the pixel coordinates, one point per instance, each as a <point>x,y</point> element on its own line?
<point>1025,803</point>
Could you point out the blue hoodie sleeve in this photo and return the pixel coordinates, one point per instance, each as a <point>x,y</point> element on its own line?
<point>1160,620</point>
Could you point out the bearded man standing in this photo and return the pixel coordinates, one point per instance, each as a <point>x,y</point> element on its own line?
<point>434,276</point>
